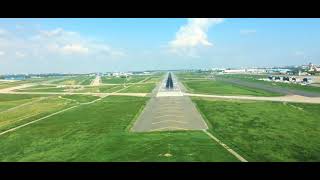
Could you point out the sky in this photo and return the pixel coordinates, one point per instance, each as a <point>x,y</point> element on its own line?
<point>85,45</point>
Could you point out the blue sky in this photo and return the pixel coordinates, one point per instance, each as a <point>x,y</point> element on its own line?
<point>100,45</point>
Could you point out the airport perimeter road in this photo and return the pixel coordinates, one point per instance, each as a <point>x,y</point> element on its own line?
<point>169,110</point>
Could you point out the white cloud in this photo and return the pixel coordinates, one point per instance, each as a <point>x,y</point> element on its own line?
<point>3,32</point>
<point>247,31</point>
<point>104,49</point>
<point>193,35</point>
<point>55,44</point>
<point>72,43</point>
<point>50,33</point>
<point>75,48</point>
<point>2,53</point>
<point>20,54</point>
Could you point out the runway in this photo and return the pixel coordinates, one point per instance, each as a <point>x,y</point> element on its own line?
<point>169,110</point>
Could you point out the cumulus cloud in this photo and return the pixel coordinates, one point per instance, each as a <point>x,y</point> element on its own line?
<point>53,32</point>
<point>75,48</point>
<point>55,43</point>
<point>2,32</point>
<point>247,31</point>
<point>193,35</point>
<point>20,54</point>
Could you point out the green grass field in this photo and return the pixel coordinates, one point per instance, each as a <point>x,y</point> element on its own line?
<point>43,89</point>
<point>37,108</point>
<point>99,132</point>
<point>74,80</point>
<point>112,80</point>
<point>101,89</point>
<point>223,88</point>
<point>12,84</point>
<point>32,80</point>
<point>265,131</point>
<point>136,79</point>
<point>8,101</point>
<point>41,86</point>
<point>191,75</point>
<point>255,79</point>
<point>87,81</point>
<point>120,80</point>
<point>257,130</point>
<point>139,88</point>
<point>154,79</point>
<point>81,98</point>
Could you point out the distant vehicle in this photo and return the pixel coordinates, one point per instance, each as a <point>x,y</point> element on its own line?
<point>285,78</point>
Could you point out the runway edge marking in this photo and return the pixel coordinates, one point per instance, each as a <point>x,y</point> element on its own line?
<point>225,146</point>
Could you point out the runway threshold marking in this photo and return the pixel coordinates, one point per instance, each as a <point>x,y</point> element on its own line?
<point>172,114</point>
<point>167,115</point>
<point>169,121</point>
<point>168,111</point>
<point>225,146</point>
<point>170,127</point>
<point>171,109</point>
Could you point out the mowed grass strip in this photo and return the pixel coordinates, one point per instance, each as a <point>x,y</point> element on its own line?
<point>265,131</point>
<point>99,132</point>
<point>223,88</point>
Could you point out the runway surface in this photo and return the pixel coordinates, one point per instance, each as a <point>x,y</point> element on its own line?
<point>169,110</point>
